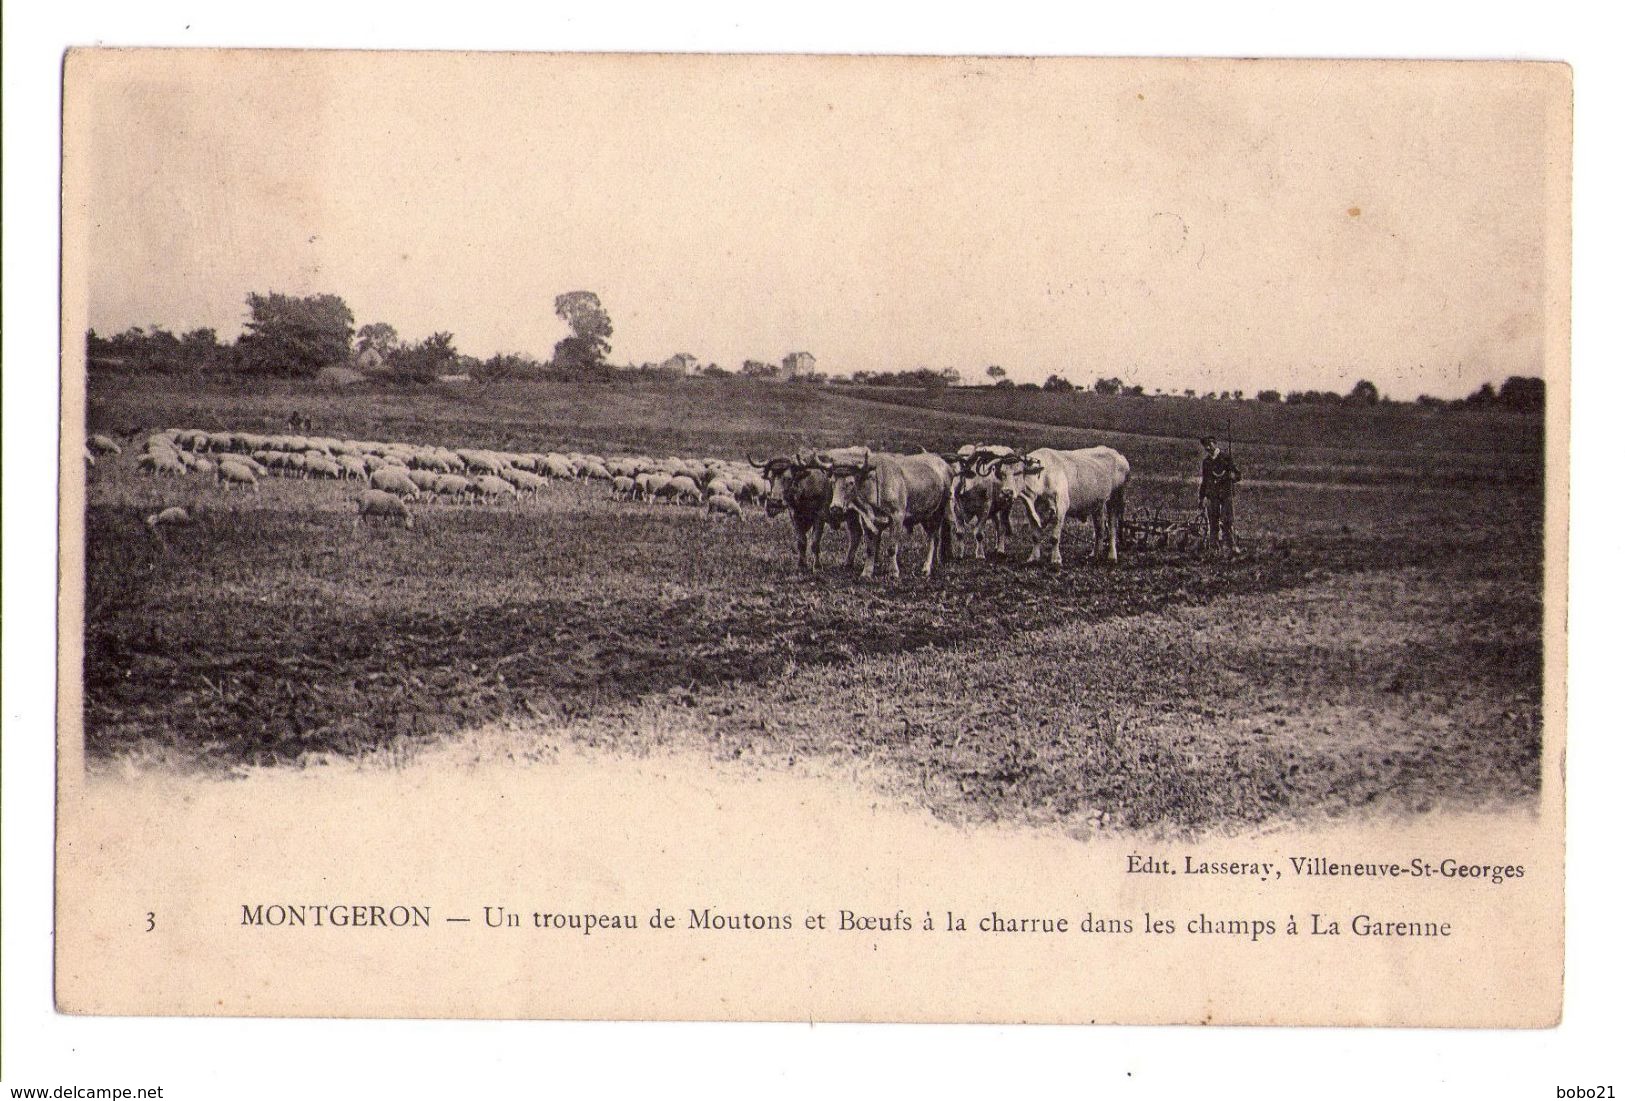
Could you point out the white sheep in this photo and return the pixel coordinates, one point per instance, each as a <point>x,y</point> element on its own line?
<point>490,486</point>
<point>722,504</point>
<point>230,472</point>
<point>423,479</point>
<point>104,445</point>
<point>454,486</point>
<point>524,481</point>
<point>377,504</point>
<point>172,517</point>
<point>161,463</point>
<point>393,479</point>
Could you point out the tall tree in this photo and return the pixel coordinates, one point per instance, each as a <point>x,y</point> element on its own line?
<point>295,336</point>
<point>1364,393</point>
<point>379,336</point>
<point>590,329</point>
<point>996,372</point>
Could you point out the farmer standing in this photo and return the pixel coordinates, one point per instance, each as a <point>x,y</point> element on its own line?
<point>1219,477</point>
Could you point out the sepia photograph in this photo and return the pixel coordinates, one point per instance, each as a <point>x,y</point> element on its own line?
<point>740,516</point>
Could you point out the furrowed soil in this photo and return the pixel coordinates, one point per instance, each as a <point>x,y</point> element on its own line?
<point>1375,645</point>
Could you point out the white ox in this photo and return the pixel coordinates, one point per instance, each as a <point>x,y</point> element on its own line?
<point>1086,484</point>
<point>896,492</point>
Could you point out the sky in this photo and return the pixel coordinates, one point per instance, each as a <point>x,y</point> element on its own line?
<point>1205,225</point>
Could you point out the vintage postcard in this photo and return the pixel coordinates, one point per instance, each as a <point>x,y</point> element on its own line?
<point>813,538</point>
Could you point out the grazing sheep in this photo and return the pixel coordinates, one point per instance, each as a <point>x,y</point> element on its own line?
<point>680,488</point>
<point>651,484</point>
<point>230,472</point>
<point>423,479</point>
<point>393,479</point>
<point>454,486</point>
<point>318,467</point>
<point>161,464</point>
<point>524,481</point>
<point>377,504</point>
<point>104,445</point>
<point>490,486</point>
<point>623,488</point>
<point>351,466</point>
<point>172,517</point>
<point>434,464</point>
<point>722,504</point>
<point>557,466</point>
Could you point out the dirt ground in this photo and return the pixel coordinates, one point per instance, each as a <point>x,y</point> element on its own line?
<point>1370,649</point>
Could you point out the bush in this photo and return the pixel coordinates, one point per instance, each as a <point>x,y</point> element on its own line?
<point>425,361</point>
<point>504,366</point>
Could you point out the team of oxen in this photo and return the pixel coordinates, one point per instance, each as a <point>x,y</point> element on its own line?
<point>973,493</point>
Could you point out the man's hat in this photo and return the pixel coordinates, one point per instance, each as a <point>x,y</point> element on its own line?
<point>1206,441</point>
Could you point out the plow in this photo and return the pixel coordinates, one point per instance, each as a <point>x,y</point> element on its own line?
<point>1148,528</point>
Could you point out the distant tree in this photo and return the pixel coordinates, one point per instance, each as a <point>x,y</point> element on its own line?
<point>1137,390</point>
<point>1108,385</point>
<point>1364,393</point>
<point>287,335</point>
<point>1190,393</point>
<point>1269,396</point>
<point>1484,395</point>
<point>1524,395</point>
<point>200,339</point>
<point>996,373</point>
<point>755,368</point>
<point>200,350</point>
<point>713,371</point>
<point>1027,386</point>
<point>379,336</point>
<point>426,360</point>
<point>1210,396</point>
<point>1056,383</point>
<point>590,329</point>
<point>1004,384</point>
<point>1427,401</point>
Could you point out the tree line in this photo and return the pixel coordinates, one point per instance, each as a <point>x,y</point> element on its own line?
<point>297,337</point>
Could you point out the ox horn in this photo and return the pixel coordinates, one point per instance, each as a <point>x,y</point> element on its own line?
<point>751,459</point>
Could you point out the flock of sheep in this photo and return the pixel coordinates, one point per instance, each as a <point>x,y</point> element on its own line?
<point>395,474</point>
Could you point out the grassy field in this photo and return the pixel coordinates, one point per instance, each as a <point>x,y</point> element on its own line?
<point>1378,644</point>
